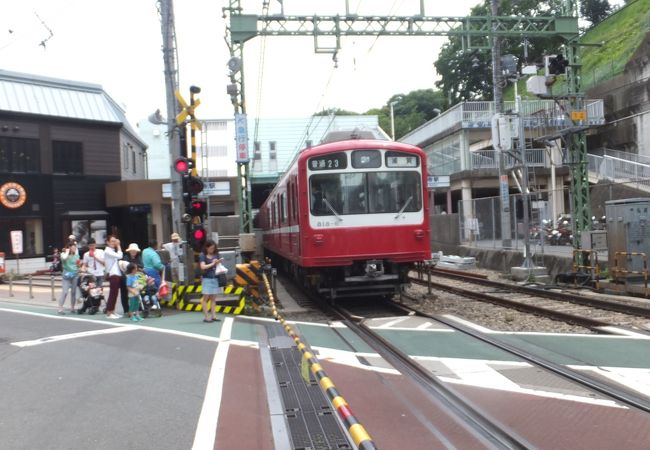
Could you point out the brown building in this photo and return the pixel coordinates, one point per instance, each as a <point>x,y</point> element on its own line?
<point>60,143</point>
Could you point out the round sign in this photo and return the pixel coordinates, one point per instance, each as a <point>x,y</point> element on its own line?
<point>12,195</point>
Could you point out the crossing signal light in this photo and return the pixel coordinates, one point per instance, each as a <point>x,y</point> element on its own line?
<point>198,236</point>
<point>183,165</point>
<point>556,65</point>
<point>194,185</point>
<point>198,208</point>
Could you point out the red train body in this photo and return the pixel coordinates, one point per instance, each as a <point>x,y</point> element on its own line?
<point>350,217</point>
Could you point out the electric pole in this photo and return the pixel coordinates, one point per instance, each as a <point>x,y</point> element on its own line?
<point>166,9</point>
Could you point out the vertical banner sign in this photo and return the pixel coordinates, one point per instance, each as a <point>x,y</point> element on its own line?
<point>16,242</point>
<point>241,137</point>
<point>505,194</point>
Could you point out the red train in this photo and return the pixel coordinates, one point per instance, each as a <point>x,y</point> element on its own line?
<point>350,217</point>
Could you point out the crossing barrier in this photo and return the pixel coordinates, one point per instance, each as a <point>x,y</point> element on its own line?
<point>617,271</point>
<point>180,298</point>
<point>360,436</point>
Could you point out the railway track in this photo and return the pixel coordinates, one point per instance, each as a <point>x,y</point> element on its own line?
<point>488,428</point>
<point>483,425</point>
<point>594,313</point>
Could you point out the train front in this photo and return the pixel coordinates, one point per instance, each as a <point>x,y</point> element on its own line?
<point>368,218</point>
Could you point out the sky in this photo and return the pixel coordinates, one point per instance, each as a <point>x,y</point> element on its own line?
<point>118,44</point>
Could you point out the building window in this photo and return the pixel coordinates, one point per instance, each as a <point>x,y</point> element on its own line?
<point>19,155</point>
<point>68,157</point>
<point>257,153</point>
<point>273,156</point>
<point>125,156</point>
<point>133,161</point>
<point>217,150</point>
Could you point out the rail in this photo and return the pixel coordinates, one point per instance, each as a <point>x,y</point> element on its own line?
<point>643,272</point>
<point>360,436</point>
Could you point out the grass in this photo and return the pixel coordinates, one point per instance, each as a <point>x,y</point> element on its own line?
<point>620,35</point>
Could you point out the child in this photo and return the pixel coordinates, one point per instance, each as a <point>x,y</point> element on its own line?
<point>134,284</point>
<point>150,293</point>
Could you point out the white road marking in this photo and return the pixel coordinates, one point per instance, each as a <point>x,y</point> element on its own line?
<point>65,337</point>
<point>468,324</point>
<point>206,429</point>
<point>390,323</point>
<point>423,326</point>
<point>633,378</point>
<point>479,374</point>
<point>624,332</point>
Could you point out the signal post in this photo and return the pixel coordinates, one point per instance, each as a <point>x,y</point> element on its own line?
<point>194,208</point>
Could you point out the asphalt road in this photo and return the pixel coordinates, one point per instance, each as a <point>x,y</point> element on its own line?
<point>117,387</point>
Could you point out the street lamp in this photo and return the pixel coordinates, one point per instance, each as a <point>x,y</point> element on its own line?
<point>392,119</point>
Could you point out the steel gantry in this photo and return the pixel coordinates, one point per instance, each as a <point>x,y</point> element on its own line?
<point>475,31</point>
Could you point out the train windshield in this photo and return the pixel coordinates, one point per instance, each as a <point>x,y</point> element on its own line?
<point>365,193</point>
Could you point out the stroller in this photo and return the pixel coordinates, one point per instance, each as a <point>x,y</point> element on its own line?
<point>150,305</point>
<point>91,294</point>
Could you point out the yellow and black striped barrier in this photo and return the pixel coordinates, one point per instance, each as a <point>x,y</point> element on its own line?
<point>248,276</point>
<point>360,436</point>
<point>181,293</point>
<point>643,272</point>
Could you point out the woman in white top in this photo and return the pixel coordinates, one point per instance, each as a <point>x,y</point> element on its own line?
<point>112,255</point>
<point>94,260</point>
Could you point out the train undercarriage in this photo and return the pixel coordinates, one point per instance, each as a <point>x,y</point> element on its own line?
<point>364,278</point>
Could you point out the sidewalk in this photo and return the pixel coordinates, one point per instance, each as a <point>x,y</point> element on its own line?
<point>41,296</point>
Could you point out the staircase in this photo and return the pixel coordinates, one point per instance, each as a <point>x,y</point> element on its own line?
<point>620,167</point>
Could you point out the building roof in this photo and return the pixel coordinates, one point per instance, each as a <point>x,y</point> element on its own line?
<point>44,96</point>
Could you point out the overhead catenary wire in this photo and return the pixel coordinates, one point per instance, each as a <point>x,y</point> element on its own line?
<point>260,75</point>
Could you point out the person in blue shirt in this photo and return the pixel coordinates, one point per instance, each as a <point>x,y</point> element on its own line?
<point>70,274</point>
<point>153,266</point>
<point>135,281</point>
<point>208,261</point>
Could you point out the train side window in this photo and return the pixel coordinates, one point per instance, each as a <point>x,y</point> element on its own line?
<point>283,207</point>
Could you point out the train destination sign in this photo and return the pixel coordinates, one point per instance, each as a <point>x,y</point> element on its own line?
<point>334,161</point>
<point>394,159</point>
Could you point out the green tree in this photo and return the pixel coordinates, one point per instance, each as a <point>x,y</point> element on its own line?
<point>595,10</point>
<point>410,110</point>
<point>335,112</point>
<point>468,75</point>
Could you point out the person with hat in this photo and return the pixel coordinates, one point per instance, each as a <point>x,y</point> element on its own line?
<point>131,256</point>
<point>175,250</point>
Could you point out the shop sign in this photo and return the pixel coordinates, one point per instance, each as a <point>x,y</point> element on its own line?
<point>12,195</point>
<point>16,242</point>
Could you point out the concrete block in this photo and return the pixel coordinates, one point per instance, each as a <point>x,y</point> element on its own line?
<point>525,273</point>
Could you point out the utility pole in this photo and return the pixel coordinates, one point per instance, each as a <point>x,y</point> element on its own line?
<point>504,191</point>
<point>166,10</point>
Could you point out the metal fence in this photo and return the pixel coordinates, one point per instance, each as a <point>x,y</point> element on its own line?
<point>480,220</point>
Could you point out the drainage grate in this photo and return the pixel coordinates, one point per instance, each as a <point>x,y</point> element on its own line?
<point>311,420</point>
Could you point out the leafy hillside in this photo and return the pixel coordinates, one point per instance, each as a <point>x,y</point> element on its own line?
<point>621,34</point>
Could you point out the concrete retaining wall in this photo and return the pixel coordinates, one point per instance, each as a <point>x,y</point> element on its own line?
<point>503,260</point>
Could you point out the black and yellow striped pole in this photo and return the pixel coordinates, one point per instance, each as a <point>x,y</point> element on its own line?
<point>360,436</point>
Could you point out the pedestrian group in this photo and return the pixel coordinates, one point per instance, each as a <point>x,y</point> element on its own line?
<point>132,273</point>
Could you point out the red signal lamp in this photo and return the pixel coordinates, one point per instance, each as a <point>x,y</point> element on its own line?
<point>183,165</point>
<point>198,208</point>
<point>199,235</point>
